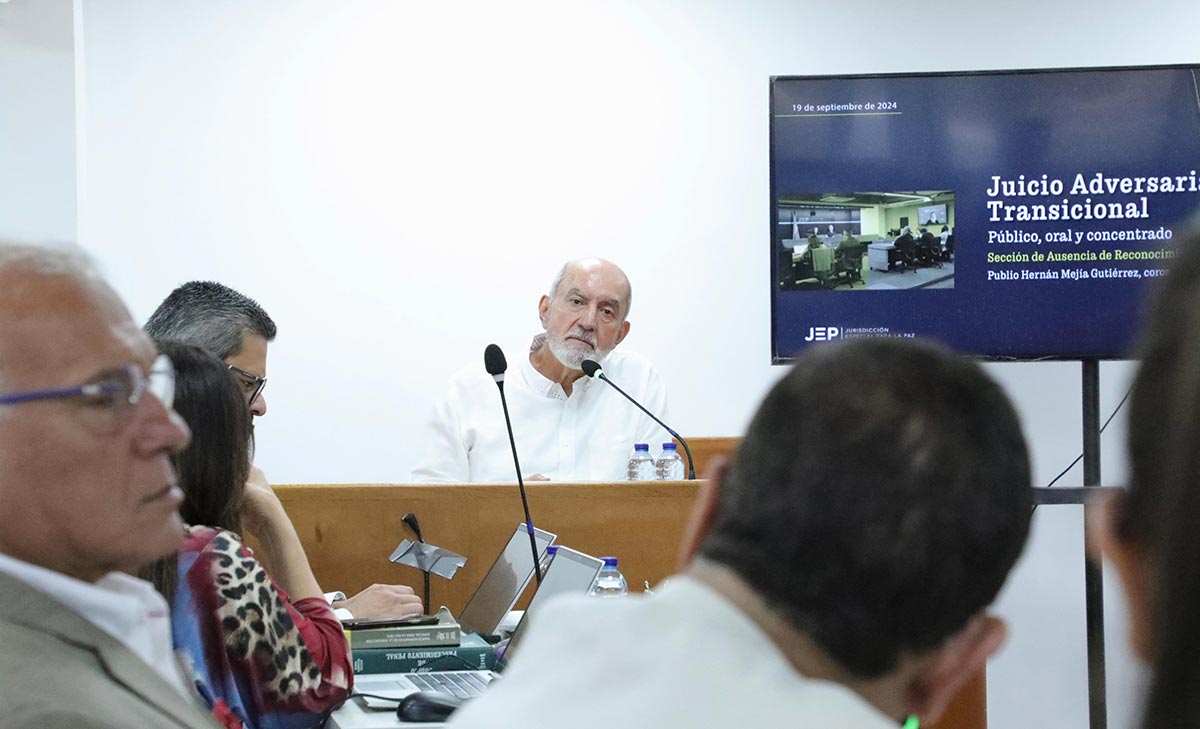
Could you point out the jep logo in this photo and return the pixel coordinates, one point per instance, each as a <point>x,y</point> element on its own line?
<point>822,334</point>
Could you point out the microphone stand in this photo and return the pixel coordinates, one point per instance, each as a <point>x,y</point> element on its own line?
<point>537,568</point>
<point>411,520</point>
<point>599,373</point>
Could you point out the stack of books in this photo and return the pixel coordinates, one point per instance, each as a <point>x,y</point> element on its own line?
<point>441,646</point>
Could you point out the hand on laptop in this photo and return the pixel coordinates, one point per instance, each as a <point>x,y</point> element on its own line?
<point>380,601</point>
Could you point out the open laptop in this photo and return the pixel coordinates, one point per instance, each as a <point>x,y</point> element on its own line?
<point>570,572</point>
<point>504,582</point>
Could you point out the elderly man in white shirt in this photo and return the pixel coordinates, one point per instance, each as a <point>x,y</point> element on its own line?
<point>567,427</point>
<point>86,492</point>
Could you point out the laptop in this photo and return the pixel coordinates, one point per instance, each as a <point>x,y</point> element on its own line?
<point>570,572</point>
<point>504,582</point>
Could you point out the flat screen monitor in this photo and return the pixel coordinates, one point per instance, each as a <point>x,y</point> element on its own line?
<point>1009,214</point>
<point>504,582</point>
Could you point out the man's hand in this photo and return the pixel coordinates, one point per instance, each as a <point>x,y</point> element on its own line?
<point>382,601</point>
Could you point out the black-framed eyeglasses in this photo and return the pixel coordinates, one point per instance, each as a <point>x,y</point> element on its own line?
<point>252,385</point>
<point>110,398</point>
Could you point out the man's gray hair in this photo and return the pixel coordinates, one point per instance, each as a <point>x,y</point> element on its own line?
<point>61,259</point>
<point>562,273</point>
<point>211,316</point>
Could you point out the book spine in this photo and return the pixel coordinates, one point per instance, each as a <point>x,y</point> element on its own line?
<point>418,660</point>
<point>384,638</point>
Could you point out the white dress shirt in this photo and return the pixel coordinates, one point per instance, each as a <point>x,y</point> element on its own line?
<point>126,608</point>
<point>584,437</point>
<point>684,657</point>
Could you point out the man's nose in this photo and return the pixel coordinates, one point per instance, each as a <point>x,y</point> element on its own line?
<point>588,320</point>
<point>259,406</point>
<point>161,429</point>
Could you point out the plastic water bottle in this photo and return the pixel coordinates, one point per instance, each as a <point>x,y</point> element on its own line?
<point>641,463</point>
<point>547,558</point>
<point>610,582</point>
<point>669,466</point>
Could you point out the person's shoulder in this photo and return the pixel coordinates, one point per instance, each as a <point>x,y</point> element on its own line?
<point>627,359</point>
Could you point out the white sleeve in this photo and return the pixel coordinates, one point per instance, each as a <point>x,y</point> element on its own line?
<point>444,458</point>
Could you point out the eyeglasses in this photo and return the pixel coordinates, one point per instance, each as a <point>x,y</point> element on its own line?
<point>252,385</point>
<point>111,397</point>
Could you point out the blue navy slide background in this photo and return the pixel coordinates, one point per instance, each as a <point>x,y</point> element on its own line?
<point>955,132</point>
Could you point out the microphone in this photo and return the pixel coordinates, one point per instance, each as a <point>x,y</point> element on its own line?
<point>495,364</point>
<point>411,520</point>
<point>592,369</point>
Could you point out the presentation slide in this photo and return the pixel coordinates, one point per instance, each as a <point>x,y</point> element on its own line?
<point>1010,215</point>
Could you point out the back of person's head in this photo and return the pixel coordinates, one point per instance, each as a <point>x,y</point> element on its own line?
<point>1158,515</point>
<point>211,316</point>
<point>878,499</point>
<point>213,469</point>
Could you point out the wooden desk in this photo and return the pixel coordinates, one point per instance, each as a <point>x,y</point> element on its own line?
<point>349,531</point>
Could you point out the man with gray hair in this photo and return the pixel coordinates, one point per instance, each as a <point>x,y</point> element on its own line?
<point>236,329</point>
<point>87,494</point>
<point>567,427</point>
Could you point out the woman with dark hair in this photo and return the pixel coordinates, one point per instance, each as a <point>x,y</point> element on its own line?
<point>265,648</point>
<point>1149,533</point>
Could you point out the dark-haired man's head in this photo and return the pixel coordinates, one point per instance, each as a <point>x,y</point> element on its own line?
<point>875,507</point>
<point>1149,532</point>
<point>222,321</point>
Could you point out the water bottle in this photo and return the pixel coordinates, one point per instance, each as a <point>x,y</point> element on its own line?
<point>547,558</point>
<point>669,466</point>
<point>610,582</point>
<point>641,463</point>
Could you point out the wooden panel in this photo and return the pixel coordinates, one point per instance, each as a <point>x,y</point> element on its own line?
<point>349,531</point>
<point>705,449</point>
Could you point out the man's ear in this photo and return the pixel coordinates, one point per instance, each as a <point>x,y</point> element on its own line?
<point>704,510</point>
<point>623,333</point>
<point>952,665</point>
<point>543,309</point>
<point>1129,560</point>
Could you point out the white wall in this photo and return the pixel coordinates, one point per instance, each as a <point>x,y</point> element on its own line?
<point>37,121</point>
<point>397,183</point>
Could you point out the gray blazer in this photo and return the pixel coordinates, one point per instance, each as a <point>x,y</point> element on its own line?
<point>59,670</point>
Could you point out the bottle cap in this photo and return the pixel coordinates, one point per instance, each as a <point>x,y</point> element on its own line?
<point>668,446</point>
<point>552,550</point>
<point>641,446</point>
<point>610,561</point>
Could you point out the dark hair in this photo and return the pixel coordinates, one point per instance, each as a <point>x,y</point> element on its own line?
<point>878,500</point>
<point>212,470</point>
<point>211,316</point>
<point>1162,507</point>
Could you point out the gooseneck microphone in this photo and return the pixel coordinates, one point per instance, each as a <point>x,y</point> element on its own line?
<point>411,520</point>
<point>495,364</point>
<point>592,369</point>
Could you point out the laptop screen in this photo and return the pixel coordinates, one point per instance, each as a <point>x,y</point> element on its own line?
<point>503,583</point>
<point>571,572</point>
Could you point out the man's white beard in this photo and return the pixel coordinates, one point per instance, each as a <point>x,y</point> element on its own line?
<point>572,353</point>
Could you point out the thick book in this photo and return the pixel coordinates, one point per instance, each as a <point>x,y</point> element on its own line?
<point>474,653</point>
<point>445,632</point>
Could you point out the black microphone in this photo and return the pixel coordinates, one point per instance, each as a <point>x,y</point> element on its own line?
<point>592,369</point>
<point>411,520</point>
<point>495,364</point>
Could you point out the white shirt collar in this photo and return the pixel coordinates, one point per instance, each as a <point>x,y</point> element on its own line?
<point>126,608</point>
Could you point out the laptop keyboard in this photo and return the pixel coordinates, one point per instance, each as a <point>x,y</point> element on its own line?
<point>463,684</point>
